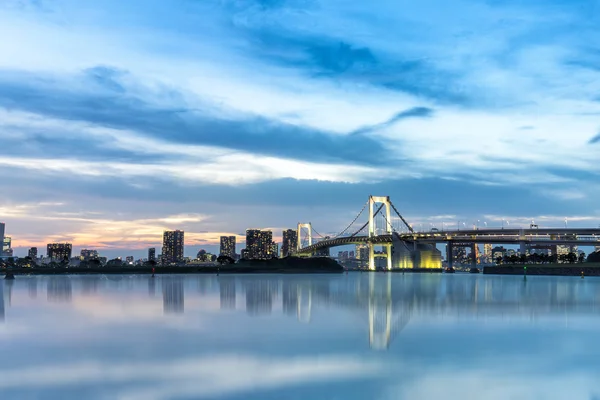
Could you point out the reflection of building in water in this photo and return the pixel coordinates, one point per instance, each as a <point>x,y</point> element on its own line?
<point>172,296</point>
<point>289,293</point>
<point>227,293</point>
<point>32,287</point>
<point>89,284</point>
<point>59,290</point>
<point>259,298</point>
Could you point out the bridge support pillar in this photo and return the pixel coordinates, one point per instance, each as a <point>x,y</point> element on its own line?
<point>371,256</point>
<point>385,200</point>
<point>449,254</point>
<point>388,251</point>
<point>308,228</point>
<point>474,255</point>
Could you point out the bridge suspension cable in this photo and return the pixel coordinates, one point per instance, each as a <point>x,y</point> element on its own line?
<point>349,225</point>
<point>367,223</point>
<point>402,218</point>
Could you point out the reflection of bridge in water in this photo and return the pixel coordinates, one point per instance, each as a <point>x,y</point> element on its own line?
<point>388,302</point>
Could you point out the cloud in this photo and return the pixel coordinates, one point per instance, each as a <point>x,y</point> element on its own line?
<point>195,377</point>
<point>114,107</point>
<point>594,140</point>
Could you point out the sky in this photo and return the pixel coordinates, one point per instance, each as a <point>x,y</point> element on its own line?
<point>119,120</point>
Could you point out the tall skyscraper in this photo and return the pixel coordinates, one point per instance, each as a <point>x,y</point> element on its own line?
<point>227,247</point>
<point>266,244</point>
<point>252,243</point>
<point>290,241</point>
<point>152,254</point>
<point>59,251</point>
<point>173,242</point>
<point>259,244</point>
<point>274,250</point>
<point>32,253</point>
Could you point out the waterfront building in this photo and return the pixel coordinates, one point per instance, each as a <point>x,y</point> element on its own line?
<point>129,259</point>
<point>274,250</point>
<point>87,255</point>
<point>227,246</point>
<point>152,254</point>
<point>173,245</point>
<point>259,244</point>
<point>290,241</point>
<point>59,251</point>
<point>32,253</point>
<point>7,250</point>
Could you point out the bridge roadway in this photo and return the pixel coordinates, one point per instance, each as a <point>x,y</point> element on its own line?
<point>553,236</point>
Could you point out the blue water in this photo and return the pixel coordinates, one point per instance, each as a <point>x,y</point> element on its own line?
<point>356,336</point>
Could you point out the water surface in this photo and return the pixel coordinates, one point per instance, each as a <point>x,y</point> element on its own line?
<point>354,336</point>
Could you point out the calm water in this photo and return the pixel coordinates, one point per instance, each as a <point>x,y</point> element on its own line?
<point>355,336</point>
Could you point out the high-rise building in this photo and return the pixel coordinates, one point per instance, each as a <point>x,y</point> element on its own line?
<point>87,255</point>
<point>290,241</point>
<point>59,251</point>
<point>173,242</point>
<point>32,253</point>
<point>274,250</point>
<point>487,250</point>
<point>7,246</point>
<point>152,254</point>
<point>129,259</point>
<point>362,252</point>
<point>266,242</point>
<point>252,243</point>
<point>259,244</point>
<point>227,247</point>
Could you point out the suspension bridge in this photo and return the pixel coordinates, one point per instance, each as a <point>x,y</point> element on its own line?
<point>403,247</point>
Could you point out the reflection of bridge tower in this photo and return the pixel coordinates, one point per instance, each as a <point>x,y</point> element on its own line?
<point>308,228</point>
<point>384,201</point>
<point>384,323</point>
<point>304,303</point>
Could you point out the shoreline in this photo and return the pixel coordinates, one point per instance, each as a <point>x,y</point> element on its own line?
<point>168,270</point>
<point>588,269</point>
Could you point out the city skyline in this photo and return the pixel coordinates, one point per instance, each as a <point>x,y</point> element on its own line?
<point>228,115</point>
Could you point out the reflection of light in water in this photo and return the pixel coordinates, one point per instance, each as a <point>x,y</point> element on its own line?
<point>386,318</point>
<point>227,293</point>
<point>289,299</point>
<point>59,289</point>
<point>173,301</point>
<point>259,298</point>
<point>304,304</point>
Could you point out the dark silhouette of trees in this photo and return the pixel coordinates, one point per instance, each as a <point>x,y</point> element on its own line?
<point>225,260</point>
<point>594,257</point>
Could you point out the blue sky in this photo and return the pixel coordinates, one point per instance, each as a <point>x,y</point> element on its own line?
<point>121,119</point>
